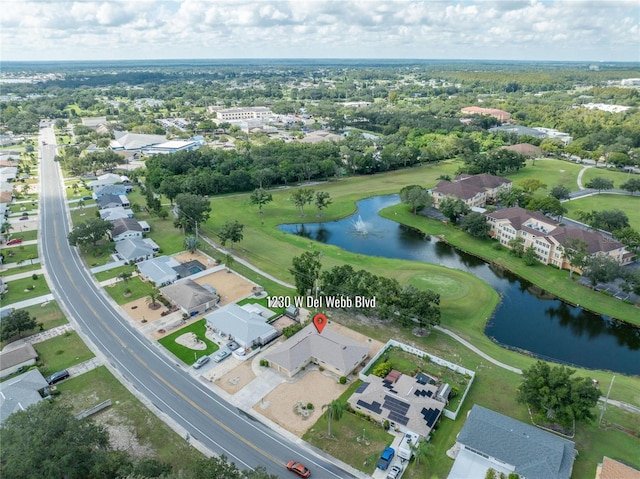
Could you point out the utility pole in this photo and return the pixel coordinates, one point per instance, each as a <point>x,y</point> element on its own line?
<point>606,401</point>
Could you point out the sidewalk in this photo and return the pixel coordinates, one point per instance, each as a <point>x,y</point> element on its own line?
<point>30,302</point>
<point>8,266</point>
<point>84,367</point>
<point>26,274</point>
<point>51,333</point>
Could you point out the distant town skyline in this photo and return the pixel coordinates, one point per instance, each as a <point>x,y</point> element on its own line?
<point>532,30</point>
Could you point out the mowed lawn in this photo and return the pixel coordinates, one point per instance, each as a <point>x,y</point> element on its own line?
<point>551,172</point>
<point>618,177</point>
<point>603,201</point>
<point>185,354</point>
<point>61,352</point>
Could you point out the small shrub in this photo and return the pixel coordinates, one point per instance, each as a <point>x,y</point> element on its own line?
<point>382,369</point>
<point>34,276</point>
<point>343,380</point>
<point>386,424</point>
<point>60,351</point>
<point>310,406</point>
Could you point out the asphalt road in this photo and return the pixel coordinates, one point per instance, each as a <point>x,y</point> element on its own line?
<point>218,425</point>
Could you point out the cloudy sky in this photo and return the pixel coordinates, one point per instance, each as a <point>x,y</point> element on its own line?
<point>602,30</point>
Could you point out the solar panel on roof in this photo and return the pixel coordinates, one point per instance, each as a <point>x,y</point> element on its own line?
<point>362,387</point>
<point>399,418</point>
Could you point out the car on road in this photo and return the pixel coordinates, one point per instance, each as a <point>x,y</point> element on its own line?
<point>394,472</point>
<point>220,355</point>
<point>57,377</point>
<point>23,218</point>
<point>386,458</point>
<point>202,360</point>
<point>298,468</point>
<point>14,241</point>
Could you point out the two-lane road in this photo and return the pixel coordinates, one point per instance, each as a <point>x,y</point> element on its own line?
<point>216,424</point>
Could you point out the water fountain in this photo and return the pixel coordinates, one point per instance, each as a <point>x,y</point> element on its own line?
<point>360,226</point>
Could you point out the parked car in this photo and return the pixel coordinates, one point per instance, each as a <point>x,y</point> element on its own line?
<point>386,458</point>
<point>14,241</point>
<point>57,377</point>
<point>394,472</point>
<point>23,218</point>
<point>298,468</point>
<point>87,197</point>
<point>201,362</point>
<point>220,355</point>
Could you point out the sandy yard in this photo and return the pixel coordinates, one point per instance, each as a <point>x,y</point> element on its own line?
<point>314,387</point>
<point>230,286</point>
<point>139,310</point>
<point>282,322</point>
<point>203,258</point>
<point>374,345</point>
<point>235,379</point>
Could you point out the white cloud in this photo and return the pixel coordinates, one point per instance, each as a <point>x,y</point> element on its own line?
<point>541,29</point>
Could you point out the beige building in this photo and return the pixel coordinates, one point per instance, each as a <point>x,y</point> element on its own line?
<point>247,113</point>
<point>474,190</point>
<point>547,236</point>
<point>501,115</point>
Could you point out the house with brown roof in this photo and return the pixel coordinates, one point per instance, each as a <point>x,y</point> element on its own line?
<point>547,237</point>
<point>525,149</point>
<point>474,190</point>
<point>501,115</point>
<point>13,359</point>
<point>612,469</point>
<point>191,297</point>
<point>329,350</point>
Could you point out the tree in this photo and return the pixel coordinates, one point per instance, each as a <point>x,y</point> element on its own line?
<point>89,232</point>
<point>416,196</point>
<point>422,451</point>
<point>631,185</point>
<point>530,257</point>
<point>302,197</point>
<point>16,323</point>
<point>453,208</point>
<point>548,205</point>
<point>231,231</point>
<point>475,224</point>
<point>517,246</point>
<point>152,299</point>
<point>575,252</point>
<point>306,270</point>
<point>191,243</point>
<point>228,261</point>
<point>600,183</point>
<point>601,269</point>
<point>46,441</point>
<point>609,220</point>
<point>557,395</point>
<point>531,185</point>
<point>6,227</point>
<point>334,410</point>
<point>192,210</point>
<point>323,200</point>
<point>560,192</point>
<point>628,236</point>
<point>260,197</point>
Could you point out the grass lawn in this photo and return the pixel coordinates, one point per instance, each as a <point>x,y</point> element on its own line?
<point>618,177</point>
<point>18,289</point>
<point>550,172</point>
<point>187,355</point>
<point>114,273</point>
<point>168,237</point>
<point>61,352</point>
<point>22,269</point>
<point>628,204</point>
<point>25,235</point>
<point>137,289</point>
<point>94,387</point>
<point>49,314</point>
<point>20,254</point>
<point>345,444</point>
<point>83,214</point>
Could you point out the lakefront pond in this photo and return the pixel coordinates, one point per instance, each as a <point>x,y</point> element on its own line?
<point>527,318</point>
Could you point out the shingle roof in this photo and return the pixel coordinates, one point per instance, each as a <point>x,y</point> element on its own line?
<point>188,294</point>
<point>459,189</point>
<point>244,326</point>
<point>612,469</point>
<point>332,348</point>
<point>122,225</point>
<point>159,270</point>
<point>534,453</point>
<point>19,393</point>
<point>109,199</point>
<point>13,357</point>
<point>134,248</point>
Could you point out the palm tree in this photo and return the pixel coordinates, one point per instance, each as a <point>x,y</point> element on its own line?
<point>422,451</point>
<point>334,410</point>
<point>228,261</point>
<point>152,299</point>
<point>191,243</point>
<point>6,227</point>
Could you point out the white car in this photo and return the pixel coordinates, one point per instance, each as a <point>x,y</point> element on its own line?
<point>394,472</point>
<point>201,362</point>
<point>220,355</point>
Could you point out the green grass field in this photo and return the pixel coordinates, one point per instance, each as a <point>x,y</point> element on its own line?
<point>20,254</point>
<point>137,289</point>
<point>61,352</point>
<point>187,355</point>
<point>550,172</point>
<point>26,288</point>
<point>94,387</point>
<point>49,314</point>
<point>114,273</point>
<point>618,177</point>
<point>629,204</point>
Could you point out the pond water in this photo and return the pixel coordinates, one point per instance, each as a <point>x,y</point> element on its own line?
<point>527,318</point>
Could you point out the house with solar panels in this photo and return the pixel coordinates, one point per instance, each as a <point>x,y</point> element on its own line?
<point>410,404</point>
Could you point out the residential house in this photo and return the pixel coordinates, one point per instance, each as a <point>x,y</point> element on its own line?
<point>191,297</point>
<point>410,404</point>
<point>17,394</point>
<point>525,149</point>
<point>612,469</point>
<point>119,189</point>
<point>134,141</point>
<point>240,324</point>
<point>112,214</point>
<point>93,122</point>
<point>8,174</point>
<point>330,350</point>
<point>501,115</point>
<point>113,201</point>
<point>125,228</point>
<point>11,360</point>
<point>547,237</point>
<point>106,179</point>
<point>492,440</point>
<point>474,190</point>
<point>136,250</point>
<point>159,270</point>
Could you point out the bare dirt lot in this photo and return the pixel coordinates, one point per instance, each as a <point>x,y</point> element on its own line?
<point>186,257</point>
<point>139,310</point>
<point>314,387</point>
<point>230,286</point>
<point>237,378</point>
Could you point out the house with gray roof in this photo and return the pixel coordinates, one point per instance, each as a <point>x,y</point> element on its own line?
<point>191,297</point>
<point>18,393</point>
<point>13,359</point>
<point>125,228</point>
<point>241,325</point>
<point>113,201</point>
<point>492,440</point>
<point>159,270</point>
<point>106,179</point>
<point>111,190</point>
<point>134,141</point>
<point>112,214</point>
<point>136,249</point>
<point>331,350</point>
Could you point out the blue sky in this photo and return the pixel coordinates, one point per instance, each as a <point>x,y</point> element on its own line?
<point>604,30</point>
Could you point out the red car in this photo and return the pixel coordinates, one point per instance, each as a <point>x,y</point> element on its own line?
<point>24,218</point>
<point>14,241</point>
<point>298,468</point>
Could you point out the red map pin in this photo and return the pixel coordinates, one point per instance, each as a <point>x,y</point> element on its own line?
<point>320,321</point>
